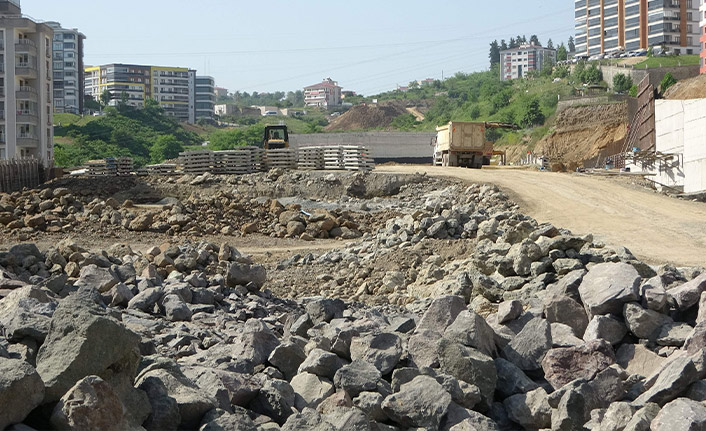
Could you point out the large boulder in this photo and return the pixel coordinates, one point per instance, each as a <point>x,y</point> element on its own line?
<point>94,277</point>
<point>531,410</point>
<point>91,404</point>
<point>563,365</point>
<point>275,400</point>
<point>243,274</point>
<point>27,312</point>
<point>84,340</point>
<point>21,390</point>
<point>254,344</point>
<point>687,295</point>
<point>356,377</point>
<point>608,286</point>
<point>441,313</point>
<point>382,350</point>
<point>681,414</point>
<point>423,402</point>
<point>470,329</point>
<point>672,381</point>
<point>469,365</point>
<point>528,347</point>
<point>310,390</point>
<point>511,379</point>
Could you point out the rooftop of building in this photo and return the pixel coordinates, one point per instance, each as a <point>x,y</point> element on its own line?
<point>523,47</point>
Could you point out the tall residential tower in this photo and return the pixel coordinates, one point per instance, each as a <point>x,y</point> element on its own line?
<point>67,66</point>
<point>26,115</point>
<point>609,25</point>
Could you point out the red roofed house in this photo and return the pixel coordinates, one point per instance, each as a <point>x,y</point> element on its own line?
<point>323,94</point>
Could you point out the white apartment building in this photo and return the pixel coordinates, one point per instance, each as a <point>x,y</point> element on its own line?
<point>517,62</point>
<point>173,88</point>
<point>67,67</point>
<point>610,25</point>
<point>26,115</point>
<point>205,95</point>
<point>324,94</point>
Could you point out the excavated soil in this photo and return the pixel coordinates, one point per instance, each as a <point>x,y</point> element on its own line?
<point>692,88</point>
<point>581,133</point>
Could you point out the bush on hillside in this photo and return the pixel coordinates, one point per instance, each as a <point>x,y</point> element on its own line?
<point>621,83</point>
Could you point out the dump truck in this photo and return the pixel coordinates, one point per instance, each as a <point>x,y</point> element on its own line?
<point>464,144</point>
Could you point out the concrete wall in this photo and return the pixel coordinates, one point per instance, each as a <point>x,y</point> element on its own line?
<point>587,101</point>
<point>384,146</point>
<point>694,145</point>
<point>656,74</point>
<point>669,131</point>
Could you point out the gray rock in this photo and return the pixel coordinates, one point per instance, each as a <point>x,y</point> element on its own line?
<point>90,404</point>
<point>382,350</point>
<point>347,418</point>
<point>638,359</point>
<point>511,379</point>
<point>673,334</point>
<point>275,399</point>
<point>95,277</point>
<point>174,308</point>
<point>681,414</point>
<point>616,417</point>
<point>687,295</point>
<point>642,419</point>
<point>574,407</point>
<point>643,323</point>
<point>21,390</point>
<point>509,310</point>
<point>471,330</point>
<point>608,286</point>
<point>605,328</point>
<point>287,357</point>
<point>308,419</point>
<point>697,391</point>
<point>469,365</point>
<point>565,265</point>
<point>221,420</point>
<point>310,390</point>
<point>371,404</point>
<point>146,300</point>
<point>243,274</point>
<point>165,376</point>
<point>164,409</point>
<point>531,410</point>
<point>254,344</point>
<point>441,313</point>
<point>325,309</point>
<point>653,293</point>
<point>528,347</point>
<point>423,402</point>
<point>569,285</point>
<point>357,377</point>
<point>422,348</point>
<point>321,363</point>
<point>82,341</point>
<point>674,379</point>
<point>461,419</point>
<point>563,336</point>
<point>563,365</point>
<point>563,309</point>
<point>27,312</point>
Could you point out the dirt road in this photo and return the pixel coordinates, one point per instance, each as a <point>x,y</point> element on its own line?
<point>656,228</point>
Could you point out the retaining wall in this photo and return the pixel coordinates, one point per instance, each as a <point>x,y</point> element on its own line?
<point>656,74</point>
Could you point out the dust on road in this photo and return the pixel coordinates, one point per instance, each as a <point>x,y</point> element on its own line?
<point>656,228</point>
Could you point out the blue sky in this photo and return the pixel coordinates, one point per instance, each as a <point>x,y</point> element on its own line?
<point>367,46</point>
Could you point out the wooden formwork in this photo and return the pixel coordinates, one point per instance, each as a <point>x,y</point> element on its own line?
<point>285,158</point>
<point>197,162</point>
<point>161,169</point>
<point>16,174</point>
<point>311,158</point>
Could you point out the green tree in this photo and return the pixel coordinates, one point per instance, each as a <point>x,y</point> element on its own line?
<point>90,103</point>
<point>547,68</point>
<point>165,147</point>
<point>105,98</point>
<point>550,44</point>
<point>503,45</point>
<point>494,54</point>
<point>633,91</point>
<point>534,40</point>
<point>513,43</point>
<point>621,83</point>
<point>561,53</point>
<point>561,72</point>
<point>532,115</point>
<point>571,45</point>
<point>474,112</point>
<point>667,82</point>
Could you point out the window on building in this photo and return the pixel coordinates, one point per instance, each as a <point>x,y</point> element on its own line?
<point>69,45</point>
<point>57,46</point>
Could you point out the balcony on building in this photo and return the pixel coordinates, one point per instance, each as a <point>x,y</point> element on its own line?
<point>26,93</point>
<point>27,140</point>
<point>27,46</point>
<point>26,69</point>
<point>27,116</point>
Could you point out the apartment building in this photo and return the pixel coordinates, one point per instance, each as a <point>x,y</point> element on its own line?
<point>67,69</point>
<point>205,95</point>
<point>172,87</point>
<point>26,115</point>
<point>324,94</point>
<point>221,92</point>
<point>610,25</point>
<point>702,38</point>
<point>517,62</point>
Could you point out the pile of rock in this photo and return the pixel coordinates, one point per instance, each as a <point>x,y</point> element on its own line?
<point>193,342</point>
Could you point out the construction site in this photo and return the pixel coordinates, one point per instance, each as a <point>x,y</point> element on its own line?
<point>374,280</point>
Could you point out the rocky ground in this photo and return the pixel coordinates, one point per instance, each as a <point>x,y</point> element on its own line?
<point>451,310</point>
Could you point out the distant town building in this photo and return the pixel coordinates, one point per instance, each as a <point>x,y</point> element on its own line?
<point>174,88</point>
<point>67,68</point>
<point>222,110</point>
<point>517,62</point>
<point>324,94</point>
<point>702,38</point>
<point>26,112</point>
<point>605,26</point>
<point>221,92</point>
<point>205,97</point>
<point>428,81</point>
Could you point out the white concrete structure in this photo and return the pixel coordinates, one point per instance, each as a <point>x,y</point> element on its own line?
<point>516,62</point>
<point>680,131</point>
<point>67,66</point>
<point>26,113</point>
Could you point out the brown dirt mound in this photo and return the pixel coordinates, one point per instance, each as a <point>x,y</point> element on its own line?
<point>692,88</point>
<point>363,117</point>
<point>583,131</point>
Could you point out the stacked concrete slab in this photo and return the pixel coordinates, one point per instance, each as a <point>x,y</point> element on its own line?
<point>284,158</point>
